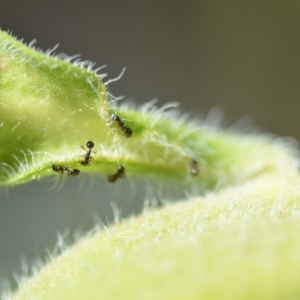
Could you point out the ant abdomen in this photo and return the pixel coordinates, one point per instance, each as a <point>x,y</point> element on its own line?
<point>127,131</point>
<point>73,172</point>
<point>90,144</point>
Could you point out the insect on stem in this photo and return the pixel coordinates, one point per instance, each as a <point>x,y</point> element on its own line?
<point>61,169</point>
<point>194,167</point>
<point>88,155</point>
<point>73,172</point>
<point>119,174</point>
<point>127,130</point>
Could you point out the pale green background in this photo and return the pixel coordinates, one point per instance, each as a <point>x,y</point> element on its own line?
<point>241,55</point>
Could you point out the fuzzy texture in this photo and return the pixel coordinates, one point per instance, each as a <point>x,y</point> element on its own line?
<point>241,243</point>
<point>50,106</point>
<point>238,241</point>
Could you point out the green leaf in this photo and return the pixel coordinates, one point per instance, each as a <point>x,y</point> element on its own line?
<point>50,106</point>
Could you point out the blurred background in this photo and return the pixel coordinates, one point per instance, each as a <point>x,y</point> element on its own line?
<point>242,56</point>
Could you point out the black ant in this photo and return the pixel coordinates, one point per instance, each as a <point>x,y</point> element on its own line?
<point>62,169</point>
<point>120,173</point>
<point>127,130</point>
<point>73,172</point>
<point>88,155</point>
<point>194,167</point>
<point>59,169</point>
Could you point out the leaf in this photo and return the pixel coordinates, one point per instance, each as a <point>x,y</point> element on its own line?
<point>51,106</point>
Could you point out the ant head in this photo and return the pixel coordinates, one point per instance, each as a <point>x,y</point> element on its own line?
<point>90,144</point>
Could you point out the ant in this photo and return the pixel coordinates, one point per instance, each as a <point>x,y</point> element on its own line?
<point>88,155</point>
<point>59,169</point>
<point>73,172</point>
<point>62,169</point>
<point>194,167</point>
<point>120,173</point>
<point>127,130</point>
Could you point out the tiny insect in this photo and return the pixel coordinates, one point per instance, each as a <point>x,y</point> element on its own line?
<point>73,172</point>
<point>194,167</point>
<point>120,173</point>
<point>59,169</point>
<point>88,155</point>
<point>127,130</point>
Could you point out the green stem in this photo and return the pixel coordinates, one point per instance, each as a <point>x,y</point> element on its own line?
<point>50,107</point>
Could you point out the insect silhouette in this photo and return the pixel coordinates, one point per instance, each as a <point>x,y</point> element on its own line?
<point>61,169</point>
<point>120,173</point>
<point>194,167</point>
<point>73,172</point>
<point>88,155</point>
<point>127,130</point>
